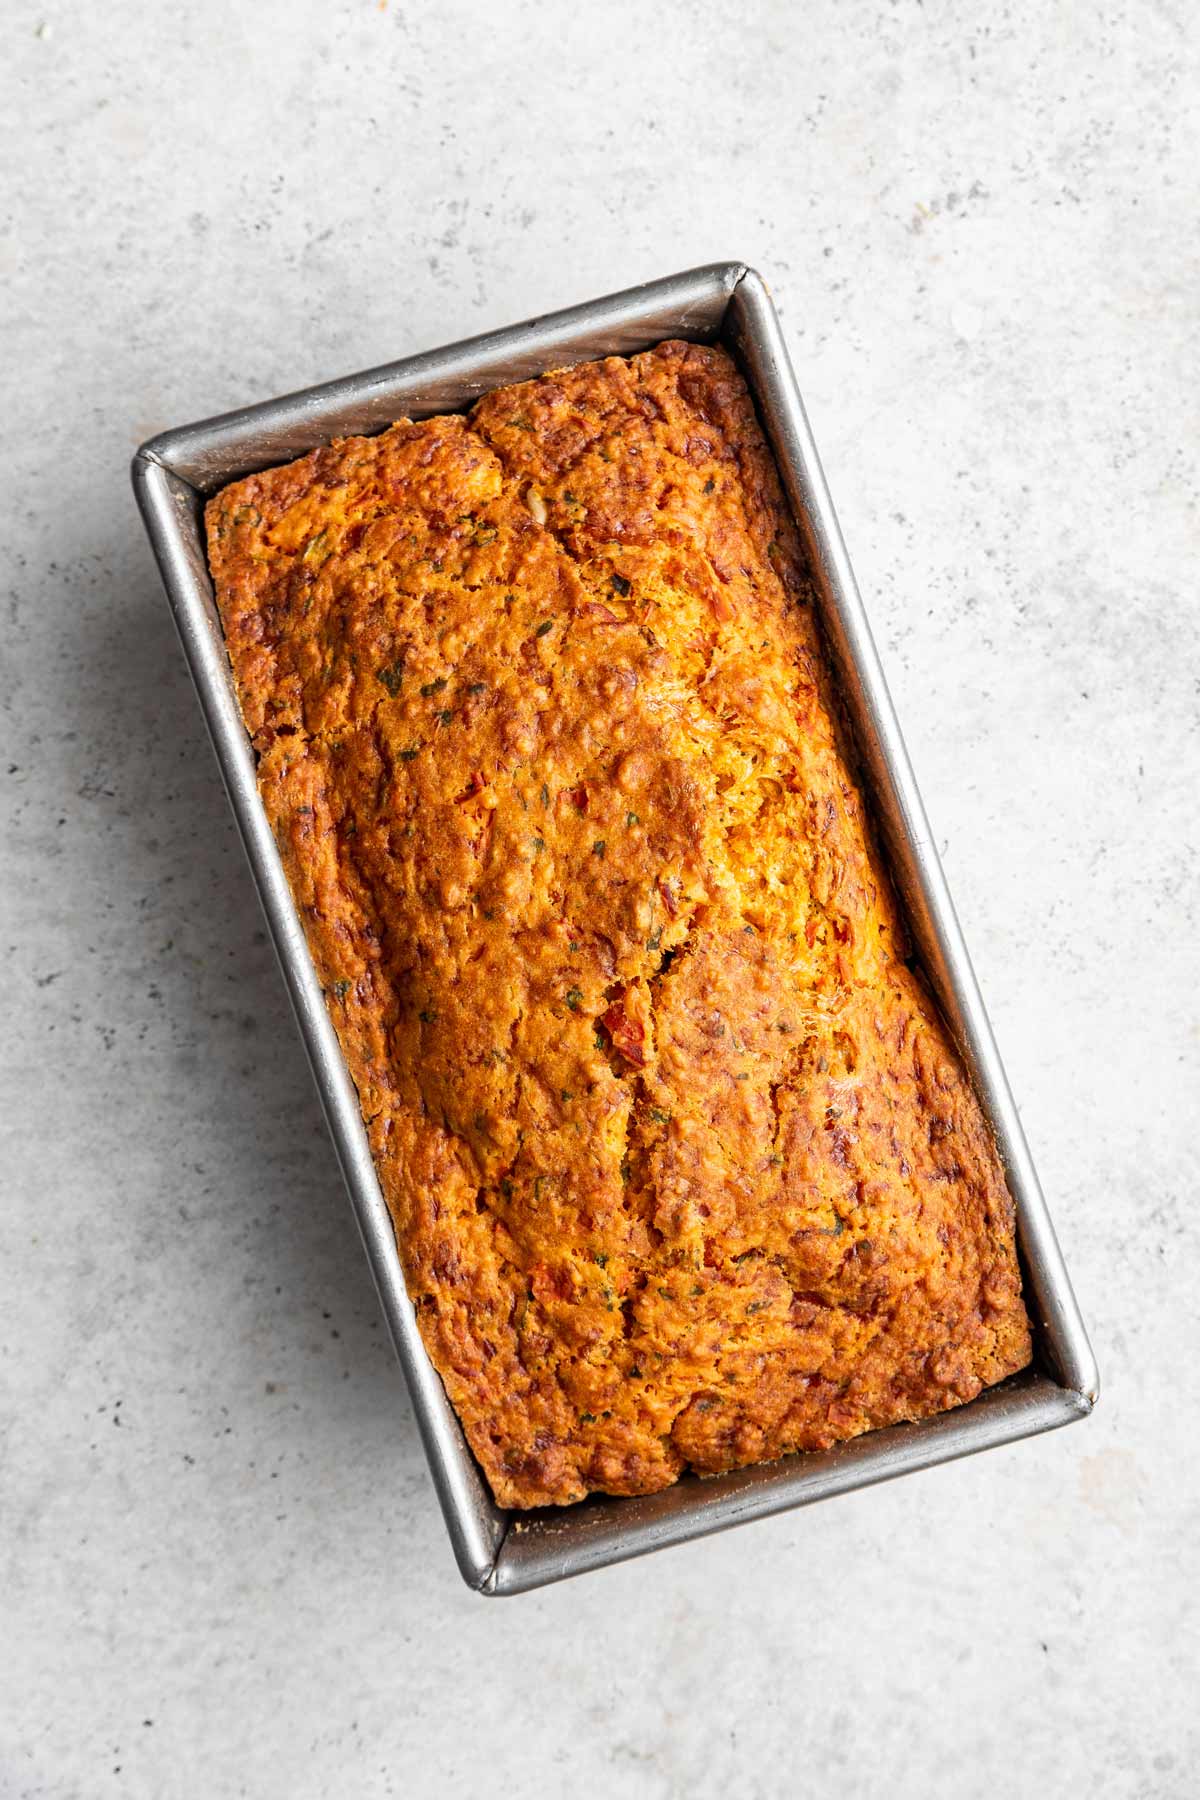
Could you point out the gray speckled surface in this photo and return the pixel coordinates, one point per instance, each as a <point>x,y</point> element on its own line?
<point>224,1572</point>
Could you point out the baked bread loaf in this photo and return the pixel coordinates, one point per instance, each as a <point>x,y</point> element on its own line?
<point>684,1168</point>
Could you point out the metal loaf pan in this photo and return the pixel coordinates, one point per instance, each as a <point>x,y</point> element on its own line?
<point>499,1552</point>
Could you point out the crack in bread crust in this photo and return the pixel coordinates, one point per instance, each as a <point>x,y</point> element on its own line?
<point>684,1168</point>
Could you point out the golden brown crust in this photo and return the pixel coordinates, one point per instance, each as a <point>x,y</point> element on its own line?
<point>684,1168</point>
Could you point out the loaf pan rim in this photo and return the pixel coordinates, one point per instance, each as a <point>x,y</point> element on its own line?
<point>173,472</point>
